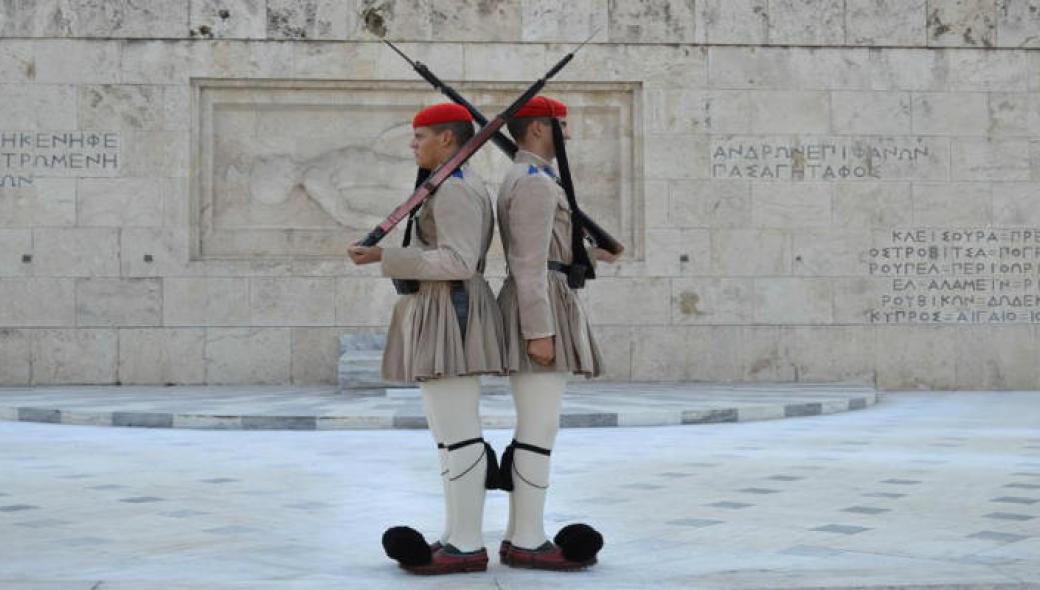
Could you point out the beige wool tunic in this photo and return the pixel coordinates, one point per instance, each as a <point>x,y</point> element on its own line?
<point>425,341</point>
<point>535,224</point>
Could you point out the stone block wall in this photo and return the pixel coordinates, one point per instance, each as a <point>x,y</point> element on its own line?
<point>811,190</point>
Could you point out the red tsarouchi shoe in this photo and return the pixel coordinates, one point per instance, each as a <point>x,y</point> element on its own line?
<point>547,557</point>
<point>449,560</point>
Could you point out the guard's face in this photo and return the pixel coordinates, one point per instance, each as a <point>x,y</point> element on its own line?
<point>546,138</point>
<point>429,147</point>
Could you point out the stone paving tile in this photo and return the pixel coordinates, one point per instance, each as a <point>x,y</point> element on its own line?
<point>605,500</point>
<point>865,510</point>
<point>730,505</point>
<point>46,522</point>
<point>694,522</point>
<point>996,536</point>
<point>1010,516</point>
<point>810,551</point>
<point>307,505</point>
<point>231,530</point>
<point>84,541</point>
<point>1023,486</point>
<point>840,528</point>
<point>641,486</point>
<point>1015,500</point>
<point>183,513</point>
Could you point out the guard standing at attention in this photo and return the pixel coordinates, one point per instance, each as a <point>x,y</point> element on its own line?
<point>547,332</point>
<point>445,331</point>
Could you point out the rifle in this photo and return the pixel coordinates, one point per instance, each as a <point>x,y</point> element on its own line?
<point>593,231</point>
<point>442,172</point>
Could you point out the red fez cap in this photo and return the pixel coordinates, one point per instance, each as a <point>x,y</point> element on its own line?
<point>542,106</point>
<point>445,112</point>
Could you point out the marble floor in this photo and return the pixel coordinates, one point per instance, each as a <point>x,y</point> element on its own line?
<point>922,490</point>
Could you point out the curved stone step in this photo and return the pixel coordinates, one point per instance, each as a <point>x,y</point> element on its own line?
<point>586,404</point>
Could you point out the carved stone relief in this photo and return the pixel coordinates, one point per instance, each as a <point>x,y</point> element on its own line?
<point>302,169</point>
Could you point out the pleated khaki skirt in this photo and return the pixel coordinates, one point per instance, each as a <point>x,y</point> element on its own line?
<point>576,349</point>
<point>425,339</point>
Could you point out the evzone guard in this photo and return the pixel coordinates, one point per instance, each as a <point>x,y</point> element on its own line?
<point>445,331</point>
<point>547,332</point>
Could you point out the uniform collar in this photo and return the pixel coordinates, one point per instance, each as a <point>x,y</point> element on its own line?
<point>531,158</point>
<point>461,171</point>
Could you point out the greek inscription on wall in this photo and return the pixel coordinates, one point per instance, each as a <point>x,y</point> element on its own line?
<point>964,276</point>
<point>25,156</point>
<point>827,159</point>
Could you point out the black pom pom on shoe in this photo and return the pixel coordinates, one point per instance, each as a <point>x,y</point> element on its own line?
<point>579,542</point>
<point>407,546</point>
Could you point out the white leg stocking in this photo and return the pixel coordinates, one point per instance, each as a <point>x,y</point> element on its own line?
<point>454,405</point>
<point>537,397</point>
<point>442,457</point>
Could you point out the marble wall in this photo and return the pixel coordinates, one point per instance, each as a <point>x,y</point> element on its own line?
<point>826,23</point>
<point>812,190</point>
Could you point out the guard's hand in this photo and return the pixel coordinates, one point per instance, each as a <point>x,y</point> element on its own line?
<point>365,254</point>
<point>604,256</point>
<point>541,350</point>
